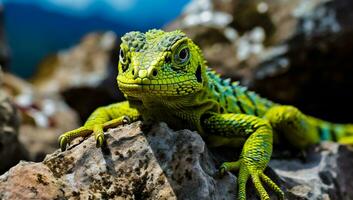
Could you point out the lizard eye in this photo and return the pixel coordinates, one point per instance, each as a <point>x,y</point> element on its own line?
<point>122,56</point>
<point>182,55</point>
<point>123,59</point>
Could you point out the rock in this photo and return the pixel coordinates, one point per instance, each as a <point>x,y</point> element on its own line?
<point>166,164</point>
<point>44,117</point>
<point>84,100</point>
<point>292,52</point>
<point>325,174</point>
<point>83,73</point>
<point>40,141</point>
<point>85,64</point>
<point>162,165</point>
<point>11,151</point>
<point>38,183</point>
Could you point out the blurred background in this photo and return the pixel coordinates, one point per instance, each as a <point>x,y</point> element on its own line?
<point>37,28</point>
<point>59,57</point>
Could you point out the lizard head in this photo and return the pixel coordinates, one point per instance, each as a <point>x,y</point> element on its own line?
<point>158,63</point>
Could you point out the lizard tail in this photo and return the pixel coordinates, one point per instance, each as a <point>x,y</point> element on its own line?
<point>341,133</point>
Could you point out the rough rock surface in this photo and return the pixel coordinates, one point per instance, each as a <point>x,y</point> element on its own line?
<point>294,52</point>
<point>11,150</point>
<point>324,174</point>
<point>165,164</point>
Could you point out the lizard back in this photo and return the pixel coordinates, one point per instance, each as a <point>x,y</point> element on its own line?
<point>234,98</point>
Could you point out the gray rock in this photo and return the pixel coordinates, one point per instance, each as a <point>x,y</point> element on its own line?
<point>166,164</point>
<point>162,165</point>
<point>325,173</point>
<point>11,150</point>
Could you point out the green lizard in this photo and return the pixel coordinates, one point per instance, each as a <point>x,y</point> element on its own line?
<point>164,77</point>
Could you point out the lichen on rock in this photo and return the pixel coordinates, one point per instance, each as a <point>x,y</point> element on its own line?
<point>165,164</point>
<point>162,164</point>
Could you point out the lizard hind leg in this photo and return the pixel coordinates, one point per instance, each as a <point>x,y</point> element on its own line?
<point>344,133</point>
<point>298,129</point>
<point>301,130</point>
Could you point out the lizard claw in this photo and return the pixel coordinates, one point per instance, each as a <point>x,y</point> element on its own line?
<point>126,120</point>
<point>67,137</point>
<point>257,176</point>
<point>98,135</point>
<point>63,141</point>
<point>227,167</point>
<point>259,179</point>
<point>222,170</point>
<point>99,140</point>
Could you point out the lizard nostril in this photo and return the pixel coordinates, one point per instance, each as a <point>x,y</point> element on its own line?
<point>154,72</point>
<point>133,72</point>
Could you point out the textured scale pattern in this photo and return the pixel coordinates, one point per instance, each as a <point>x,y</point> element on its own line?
<point>236,98</point>
<point>165,77</point>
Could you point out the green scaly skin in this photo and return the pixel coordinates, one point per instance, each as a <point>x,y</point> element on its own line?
<point>165,78</point>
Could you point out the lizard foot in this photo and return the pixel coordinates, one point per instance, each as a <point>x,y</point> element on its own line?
<point>257,176</point>
<point>97,129</point>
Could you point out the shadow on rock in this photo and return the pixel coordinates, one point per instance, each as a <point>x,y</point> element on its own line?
<point>163,164</point>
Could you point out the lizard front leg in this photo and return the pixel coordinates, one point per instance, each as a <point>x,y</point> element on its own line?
<point>101,119</point>
<point>256,152</point>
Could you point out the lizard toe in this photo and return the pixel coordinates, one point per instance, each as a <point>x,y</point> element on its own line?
<point>99,140</point>
<point>63,142</point>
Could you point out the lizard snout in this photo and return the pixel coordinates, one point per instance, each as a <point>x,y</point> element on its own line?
<point>149,73</point>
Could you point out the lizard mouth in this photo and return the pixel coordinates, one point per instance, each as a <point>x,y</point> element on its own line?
<point>170,89</point>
